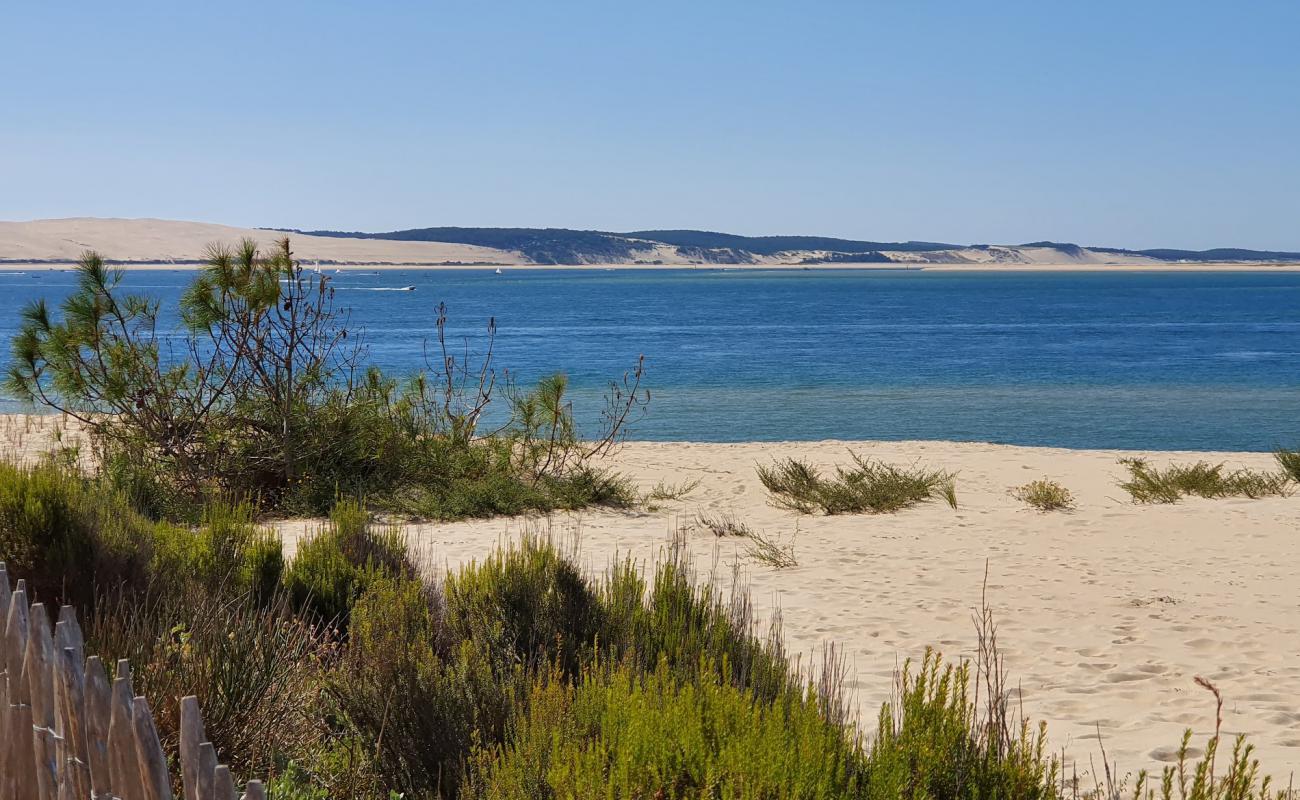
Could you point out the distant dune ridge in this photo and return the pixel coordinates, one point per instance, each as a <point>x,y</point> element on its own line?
<point>157,241</point>
<point>144,242</point>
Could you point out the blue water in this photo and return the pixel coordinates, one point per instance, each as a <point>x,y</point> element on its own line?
<point>1134,360</point>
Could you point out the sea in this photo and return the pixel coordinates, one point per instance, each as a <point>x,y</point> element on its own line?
<point>1128,360</point>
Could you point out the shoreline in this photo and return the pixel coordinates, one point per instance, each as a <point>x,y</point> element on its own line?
<point>507,268</point>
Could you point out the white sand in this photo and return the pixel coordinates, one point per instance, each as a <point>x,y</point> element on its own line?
<point>1106,613</point>
<point>162,241</point>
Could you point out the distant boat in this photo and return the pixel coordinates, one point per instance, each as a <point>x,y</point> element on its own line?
<point>499,271</point>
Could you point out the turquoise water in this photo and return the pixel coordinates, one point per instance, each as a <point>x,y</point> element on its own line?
<point>1137,360</point>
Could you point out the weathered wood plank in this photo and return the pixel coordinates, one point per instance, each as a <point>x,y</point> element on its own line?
<point>46,762</point>
<point>192,735</point>
<point>38,666</point>
<point>22,758</point>
<point>72,705</point>
<point>223,784</point>
<point>254,790</point>
<point>123,763</point>
<point>76,639</point>
<point>98,713</point>
<point>17,625</point>
<point>207,770</point>
<point>151,761</point>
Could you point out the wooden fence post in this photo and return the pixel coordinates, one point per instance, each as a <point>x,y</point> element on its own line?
<point>67,733</point>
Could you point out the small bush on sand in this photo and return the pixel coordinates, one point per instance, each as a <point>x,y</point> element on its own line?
<point>1289,461</point>
<point>722,525</point>
<point>664,490</point>
<point>1045,495</point>
<point>771,551</point>
<point>869,486</point>
<point>761,548</point>
<point>1148,484</point>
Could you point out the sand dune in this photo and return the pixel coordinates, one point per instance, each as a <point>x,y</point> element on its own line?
<point>161,241</point>
<point>153,243</point>
<point>1106,613</point>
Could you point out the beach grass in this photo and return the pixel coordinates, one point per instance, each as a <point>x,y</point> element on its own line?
<point>1148,484</point>
<point>722,525</point>
<point>1289,462</point>
<point>1045,494</point>
<point>869,486</point>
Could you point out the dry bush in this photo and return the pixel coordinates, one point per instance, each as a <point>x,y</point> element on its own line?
<point>1045,495</point>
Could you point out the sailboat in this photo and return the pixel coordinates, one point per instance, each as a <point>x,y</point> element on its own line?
<point>499,271</point>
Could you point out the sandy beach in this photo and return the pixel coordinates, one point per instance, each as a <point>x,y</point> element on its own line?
<point>1106,612</point>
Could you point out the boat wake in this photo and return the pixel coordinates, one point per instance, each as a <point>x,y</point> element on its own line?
<point>378,288</point>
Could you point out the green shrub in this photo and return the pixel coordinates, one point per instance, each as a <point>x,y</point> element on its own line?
<point>682,622</point>
<point>68,536</point>
<point>771,551</point>
<point>931,742</point>
<point>1045,495</point>
<point>333,567</point>
<point>1147,484</point>
<point>47,528</point>
<point>418,700</point>
<point>265,398</point>
<point>528,601</point>
<point>624,733</point>
<point>869,486</point>
<point>1289,461</point>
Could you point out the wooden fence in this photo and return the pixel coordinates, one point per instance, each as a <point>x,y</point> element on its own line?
<point>69,733</point>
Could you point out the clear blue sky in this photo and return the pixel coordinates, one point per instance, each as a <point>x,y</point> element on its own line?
<point>1129,123</point>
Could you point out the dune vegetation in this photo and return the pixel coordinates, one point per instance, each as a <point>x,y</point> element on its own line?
<point>1044,494</point>
<point>263,395</point>
<point>1148,484</point>
<point>866,487</point>
<point>354,670</point>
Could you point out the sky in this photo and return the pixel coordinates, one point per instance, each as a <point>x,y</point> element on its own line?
<point>1135,124</point>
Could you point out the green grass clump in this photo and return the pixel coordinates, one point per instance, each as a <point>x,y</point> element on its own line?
<point>1289,461</point>
<point>723,525</point>
<point>332,568</point>
<point>529,602</point>
<point>1148,484</point>
<point>771,551</point>
<point>623,733</point>
<point>868,486</point>
<point>1045,495</point>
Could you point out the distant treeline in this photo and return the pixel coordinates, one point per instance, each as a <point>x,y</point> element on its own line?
<point>770,245</point>
<point>540,245</point>
<point>1170,254</point>
<point>566,246</point>
<point>869,257</point>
